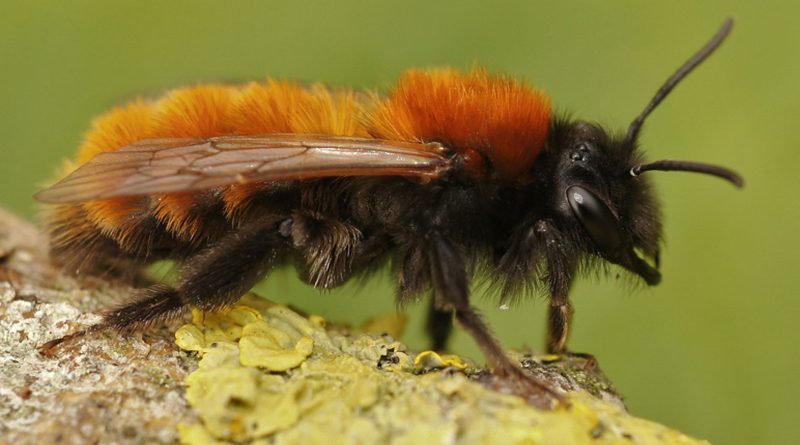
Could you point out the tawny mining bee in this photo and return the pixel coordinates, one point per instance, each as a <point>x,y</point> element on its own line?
<point>447,175</point>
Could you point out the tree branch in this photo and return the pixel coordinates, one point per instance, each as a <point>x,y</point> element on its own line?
<point>261,373</point>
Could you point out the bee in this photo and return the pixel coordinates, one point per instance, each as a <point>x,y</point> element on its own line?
<point>449,175</point>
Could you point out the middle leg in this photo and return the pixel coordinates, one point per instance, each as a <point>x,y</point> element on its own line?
<point>438,326</point>
<point>448,271</point>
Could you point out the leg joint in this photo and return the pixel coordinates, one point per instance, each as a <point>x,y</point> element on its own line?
<point>285,227</point>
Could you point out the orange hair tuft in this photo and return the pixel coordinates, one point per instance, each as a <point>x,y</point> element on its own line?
<point>479,115</point>
<point>197,112</point>
<point>278,106</point>
<point>117,128</point>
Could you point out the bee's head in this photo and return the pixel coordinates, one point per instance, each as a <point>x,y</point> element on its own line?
<point>610,213</point>
<point>599,189</point>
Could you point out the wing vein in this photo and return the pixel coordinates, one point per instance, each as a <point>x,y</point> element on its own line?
<point>156,166</point>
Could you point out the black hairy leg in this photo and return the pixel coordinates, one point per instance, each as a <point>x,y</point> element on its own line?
<point>560,271</point>
<point>212,279</point>
<point>439,326</point>
<point>158,302</point>
<point>220,275</point>
<point>559,317</point>
<point>327,247</point>
<point>449,274</point>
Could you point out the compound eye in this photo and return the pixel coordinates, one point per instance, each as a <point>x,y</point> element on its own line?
<point>596,218</point>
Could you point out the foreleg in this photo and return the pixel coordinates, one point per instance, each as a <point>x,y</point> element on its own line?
<point>560,272</point>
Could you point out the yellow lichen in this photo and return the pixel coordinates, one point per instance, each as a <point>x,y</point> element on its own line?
<point>274,376</point>
<point>432,360</point>
<point>266,347</point>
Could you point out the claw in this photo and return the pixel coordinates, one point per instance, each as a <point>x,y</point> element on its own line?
<point>50,348</point>
<point>531,388</point>
<point>590,363</point>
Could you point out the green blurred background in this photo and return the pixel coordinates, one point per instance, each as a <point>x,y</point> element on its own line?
<point>712,351</point>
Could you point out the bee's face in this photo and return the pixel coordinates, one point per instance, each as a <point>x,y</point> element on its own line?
<point>613,213</point>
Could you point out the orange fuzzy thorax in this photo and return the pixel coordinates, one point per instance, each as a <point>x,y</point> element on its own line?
<point>476,114</point>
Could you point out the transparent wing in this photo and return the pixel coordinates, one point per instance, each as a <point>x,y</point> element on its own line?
<point>155,166</point>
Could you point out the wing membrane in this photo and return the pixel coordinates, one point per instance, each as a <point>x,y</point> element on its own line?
<point>155,166</point>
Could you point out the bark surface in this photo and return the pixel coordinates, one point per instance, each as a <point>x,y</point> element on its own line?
<point>261,373</point>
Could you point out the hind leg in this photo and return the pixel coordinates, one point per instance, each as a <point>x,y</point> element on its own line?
<point>212,279</point>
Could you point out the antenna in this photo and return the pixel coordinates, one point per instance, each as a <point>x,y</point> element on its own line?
<point>690,166</point>
<point>677,77</point>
